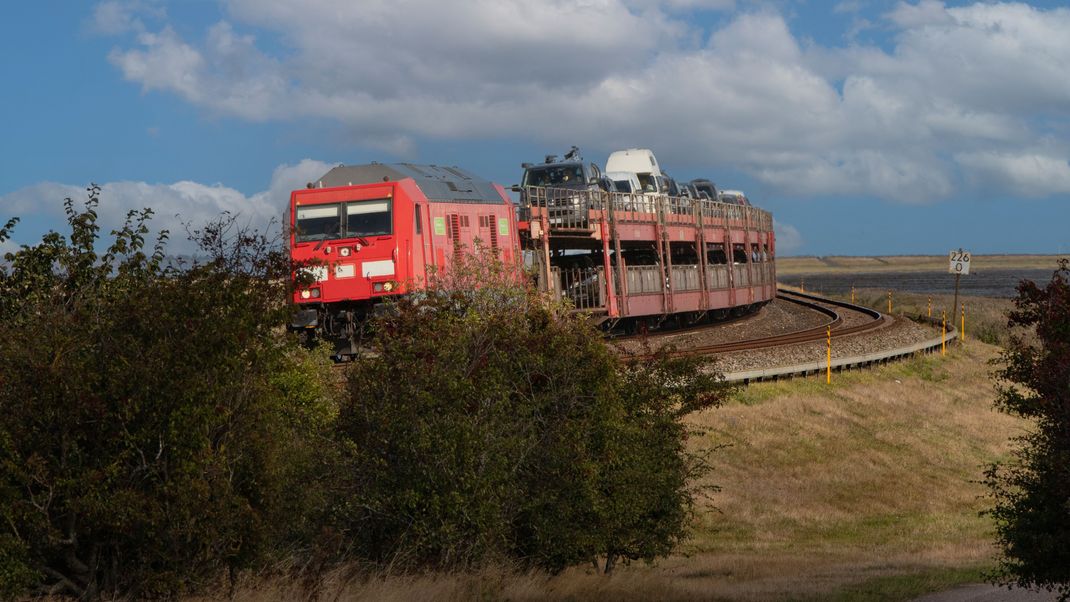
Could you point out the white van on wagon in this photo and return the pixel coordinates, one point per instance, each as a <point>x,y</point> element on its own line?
<point>625,181</point>
<point>629,195</point>
<point>642,163</point>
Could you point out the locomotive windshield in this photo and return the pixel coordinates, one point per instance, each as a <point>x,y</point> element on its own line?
<point>343,220</point>
<point>318,222</point>
<point>368,218</point>
<point>554,175</point>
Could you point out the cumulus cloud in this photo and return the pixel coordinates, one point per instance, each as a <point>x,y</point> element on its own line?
<point>1031,174</point>
<point>718,5</point>
<point>113,17</point>
<point>747,95</point>
<point>175,205</point>
<point>788,239</point>
<point>924,13</point>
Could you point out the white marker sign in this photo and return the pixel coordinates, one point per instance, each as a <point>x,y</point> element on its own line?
<point>960,262</point>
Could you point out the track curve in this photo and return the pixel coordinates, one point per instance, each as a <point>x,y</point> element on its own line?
<point>836,323</point>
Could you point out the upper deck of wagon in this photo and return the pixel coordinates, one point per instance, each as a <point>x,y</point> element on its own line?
<point>667,255</point>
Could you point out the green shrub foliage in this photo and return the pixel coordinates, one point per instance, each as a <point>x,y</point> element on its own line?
<point>489,422</point>
<point>1032,492</point>
<point>157,430</point>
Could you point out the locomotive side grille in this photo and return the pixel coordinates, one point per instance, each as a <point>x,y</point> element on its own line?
<point>493,232</point>
<point>455,232</point>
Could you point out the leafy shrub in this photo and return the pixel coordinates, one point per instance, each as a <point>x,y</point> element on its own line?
<point>1032,492</point>
<point>157,429</point>
<point>491,422</point>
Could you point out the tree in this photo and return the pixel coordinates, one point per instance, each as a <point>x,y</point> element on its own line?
<point>493,422</point>
<point>157,429</point>
<point>1032,491</point>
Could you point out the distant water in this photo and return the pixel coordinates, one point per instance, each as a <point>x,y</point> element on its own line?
<point>980,283</point>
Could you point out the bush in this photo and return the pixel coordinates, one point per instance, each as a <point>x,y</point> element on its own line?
<point>490,422</point>
<point>1032,492</point>
<point>157,430</point>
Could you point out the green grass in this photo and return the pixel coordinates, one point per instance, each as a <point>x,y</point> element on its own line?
<point>896,588</point>
<point>926,367</point>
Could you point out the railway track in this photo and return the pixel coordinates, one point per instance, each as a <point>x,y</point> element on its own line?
<point>843,319</point>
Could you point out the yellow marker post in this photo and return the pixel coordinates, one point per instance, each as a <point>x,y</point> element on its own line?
<point>802,285</point>
<point>930,307</point>
<point>852,293</point>
<point>828,370</point>
<point>889,301</point>
<point>943,336</point>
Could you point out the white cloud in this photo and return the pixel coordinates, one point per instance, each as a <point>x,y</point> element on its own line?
<point>924,13</point>
<point>1031,174</point>
<point>676,5</point>
<point>175,204</point>
<point>982,78</point>
<point>788,239</point>
<point>113,17</point>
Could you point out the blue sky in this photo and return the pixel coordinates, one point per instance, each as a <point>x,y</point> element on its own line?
<point>867,127</point>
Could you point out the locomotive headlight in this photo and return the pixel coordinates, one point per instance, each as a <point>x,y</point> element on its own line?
<point>388,286</point>
<point>377,287</point>
<point>305,294</point>
<point>344,251</point>
<point>315,293</point>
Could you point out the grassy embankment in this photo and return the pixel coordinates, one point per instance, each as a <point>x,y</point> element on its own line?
<point>906,263</point>
<point>862,490</point>
<point>985,316</point>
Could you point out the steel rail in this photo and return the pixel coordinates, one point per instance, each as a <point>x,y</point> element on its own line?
<point>816,333</point>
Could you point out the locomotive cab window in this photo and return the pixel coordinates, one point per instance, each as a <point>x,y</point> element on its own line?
<point>318,222</point>
<point>368,218</point>
<point>331,222</point>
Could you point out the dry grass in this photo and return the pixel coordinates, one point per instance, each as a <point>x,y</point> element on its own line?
<point>986,317</point>
<point>863,490</point>
<point>905,263</point>
<point>873,476</point>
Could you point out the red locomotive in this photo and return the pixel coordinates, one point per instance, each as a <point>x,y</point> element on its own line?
<point>371,231</point>
<point>632,260</point>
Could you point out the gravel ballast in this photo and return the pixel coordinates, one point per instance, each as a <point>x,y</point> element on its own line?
<point>781,317</point>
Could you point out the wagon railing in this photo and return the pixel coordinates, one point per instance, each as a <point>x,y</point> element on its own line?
<point>565,208</point>
<point>583,287</point>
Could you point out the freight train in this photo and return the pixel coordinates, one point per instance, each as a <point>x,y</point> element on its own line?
<point>634,261</point>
